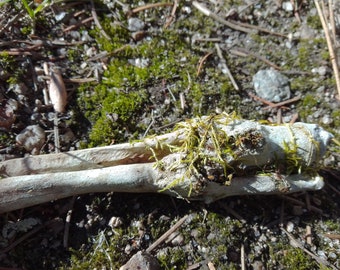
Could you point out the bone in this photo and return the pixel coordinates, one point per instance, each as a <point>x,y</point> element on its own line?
<point>205,158</point>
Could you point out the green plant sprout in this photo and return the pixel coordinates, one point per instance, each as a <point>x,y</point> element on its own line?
<point>32,12</point>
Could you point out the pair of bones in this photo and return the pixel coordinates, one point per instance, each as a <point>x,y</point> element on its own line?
<point>204,158</point>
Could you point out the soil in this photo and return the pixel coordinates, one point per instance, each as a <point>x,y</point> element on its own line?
<point>133,69</point>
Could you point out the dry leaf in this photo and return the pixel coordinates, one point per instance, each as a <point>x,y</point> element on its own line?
<point>57,91</point>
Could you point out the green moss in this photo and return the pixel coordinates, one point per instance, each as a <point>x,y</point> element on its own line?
<point>314,22</point>
<point>308,105</point>
<point>333,226</point>
<point>10,69</point>
<point>174,259</point>
<point>109,110</point>
<point>295,258</point>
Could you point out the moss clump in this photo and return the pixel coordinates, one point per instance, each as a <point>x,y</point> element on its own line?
<point>173,259</point>
<point>109,110</point>
<point>295,258</point>
<point>309,103</point>
<point>314,22</point>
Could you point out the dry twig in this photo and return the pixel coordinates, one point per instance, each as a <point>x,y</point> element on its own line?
<point>172,16</point>
<point>166,234</point>
<point>214,16</point>
<point>96,21</point>
<point>201,62</point>
<point>243,52</point>
<point>331,50</point>
<point>149,6</point>
<point>297,243</point>
<point>225,67</point>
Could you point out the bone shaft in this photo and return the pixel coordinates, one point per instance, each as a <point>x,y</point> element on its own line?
<point>93,158</point>
<point>24,191</point>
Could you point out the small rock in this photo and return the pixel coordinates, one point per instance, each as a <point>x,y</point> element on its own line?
<point>178,240</point>
<point>135,24</point>
<point>258,265</point>
<point>327,119</point>
<point>287,6</point>
<point>271,85</point>
<point>115,222</point>
<point>322,71</point>
<point>7,116</point>
<point>141,260</point>
<point>290,226</point>
<point>32,138</point>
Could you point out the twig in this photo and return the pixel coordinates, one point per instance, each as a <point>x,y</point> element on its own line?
<point>75,26</point>
<point>332,20</point>
<point>201,61</point>
<point>211,266</point>
<point>195,265</point>
<point>25,236</point>
<point>150,125</point>
<point>13,20</point>
<point>96,21</point>
<point>243,263</point>
<point>172,15</point>
<point>225,67</point>
<point>56,133</point>
<point>257,28</point>
<point>288,101</point>
<point>297,243</point>
<point>232,212</point>
<point>166,234</point>
<point>68,222</point>
<point>332,236</point>
<point>294,118</point>
<point>279,116</point>
<point>296,11</point>
<point>312,208</point>
<point>309,235</point>
<point>332,54</point>
<point>333,188</point>
<point>243,52</point>
<point>208,39</point>
<point>149,6</point>
<point>269,103</point>
<point>275,105</point>
<point>212,15</point>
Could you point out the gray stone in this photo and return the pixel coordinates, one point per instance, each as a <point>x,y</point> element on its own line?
<point>141,260</point>
<point>135,24</point>
<point>271,85</point>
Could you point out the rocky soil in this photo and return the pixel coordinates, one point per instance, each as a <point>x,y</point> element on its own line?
<point>133,69</point>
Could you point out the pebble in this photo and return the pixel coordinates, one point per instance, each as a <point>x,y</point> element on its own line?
<point>258,265</point>
<point>135,24</point>
<point>141,260</point>
<point>290,226</point>
<point>326,119</point>
<point>322,71</point>
<point>178,240</point>
<point>115,222</point>
<point>287,6</point>
<point>271,85</point>
<point>31,138</point>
